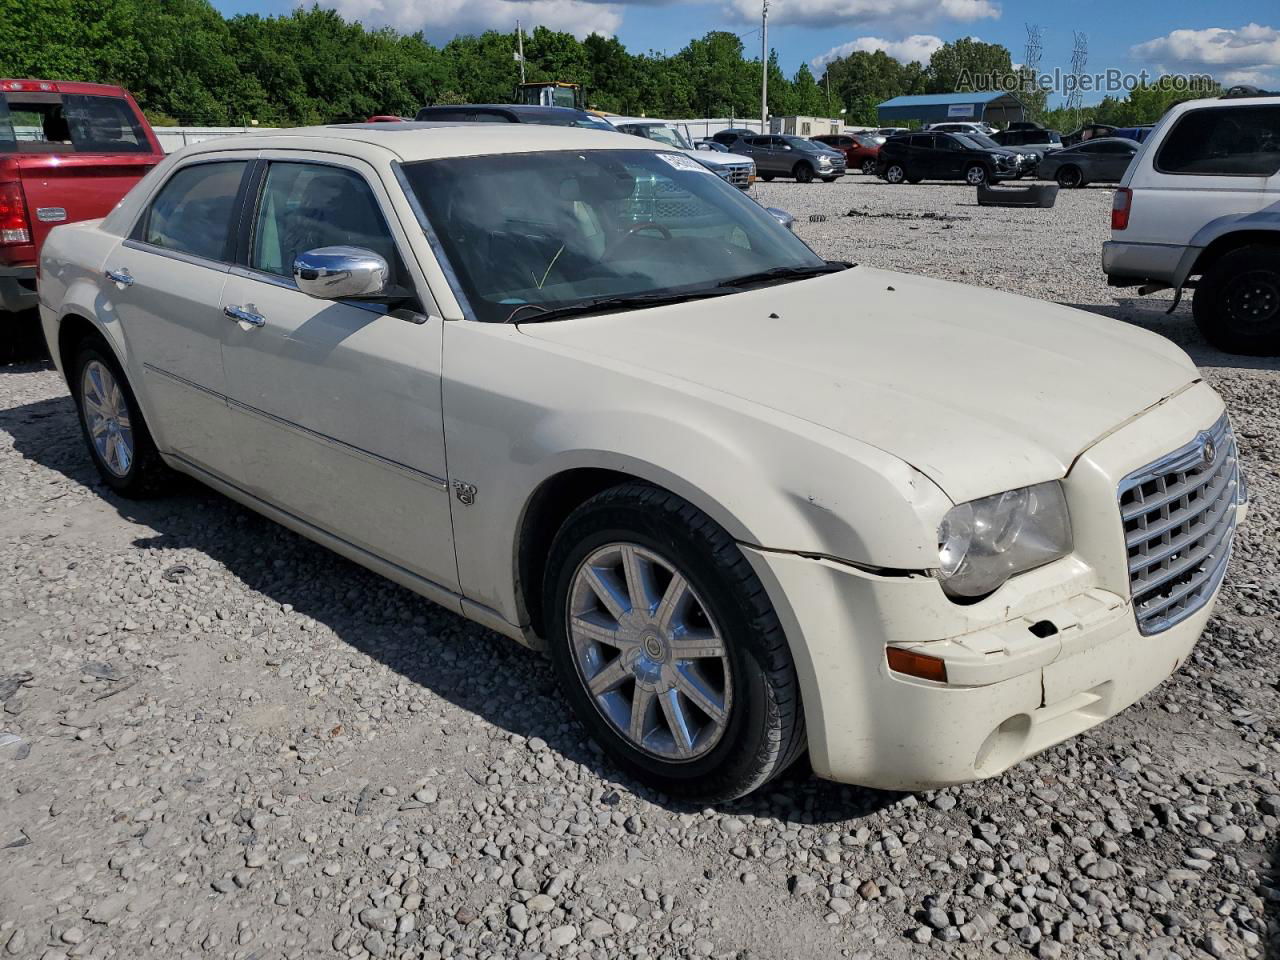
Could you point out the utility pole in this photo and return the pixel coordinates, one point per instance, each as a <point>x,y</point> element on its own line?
<point>764,68</point>
<point>520,49</point>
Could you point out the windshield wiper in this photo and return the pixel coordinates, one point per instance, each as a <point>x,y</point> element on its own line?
<point>605,304</point>
<point>788,273</point>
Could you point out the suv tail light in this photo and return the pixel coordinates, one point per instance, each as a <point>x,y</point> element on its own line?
<point>14,226</point>
<point>1121,205</point>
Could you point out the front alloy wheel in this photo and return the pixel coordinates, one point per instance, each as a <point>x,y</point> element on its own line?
<point>649,652</point>
<point>976,175</point>
<point>667,647</point>
<point>894,173</point>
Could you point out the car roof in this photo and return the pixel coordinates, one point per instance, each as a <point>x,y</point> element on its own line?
<point>427,140</point>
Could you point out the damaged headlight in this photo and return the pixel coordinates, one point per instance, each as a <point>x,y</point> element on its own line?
<point>983,543</point>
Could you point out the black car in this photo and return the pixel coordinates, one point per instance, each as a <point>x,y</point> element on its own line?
<point>512,113</point>
<point>944,156</point>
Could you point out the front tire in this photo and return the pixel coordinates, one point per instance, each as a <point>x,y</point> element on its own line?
<point>868,168</point>
<point>803,172</point>
<point>667,647</point>
<point>111,420</point>
<point>895,173</point>
<point>975,175</point>
<point>1237,304</point>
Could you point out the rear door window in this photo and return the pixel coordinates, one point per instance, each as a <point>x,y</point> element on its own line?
<point>193,211</point>
<point>69,123</point>
<point>1223,142</point>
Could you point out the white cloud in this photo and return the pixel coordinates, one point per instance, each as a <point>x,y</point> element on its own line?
<point>917,48</point>
<point>829,12</point>
<point>441,19</point>
<point>1248,54</point>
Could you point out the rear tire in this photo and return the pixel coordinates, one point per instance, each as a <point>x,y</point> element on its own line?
<point>632,542</point>
<point>1070,178</point>
<point>869,168</point>
<point>803,172</point>
<point>119,441</point>
<point>767,177</point>
<point>1237,304</point>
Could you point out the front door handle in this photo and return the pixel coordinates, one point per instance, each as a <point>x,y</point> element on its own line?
<point>121,277</point>
<point>242,315</point>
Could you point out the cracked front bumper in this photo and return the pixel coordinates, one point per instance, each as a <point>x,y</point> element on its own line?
<point>1011,690</point>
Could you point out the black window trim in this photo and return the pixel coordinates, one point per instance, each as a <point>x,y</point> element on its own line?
<point>251,206</point>
<point>1164,142</point>
<point>134,240</point>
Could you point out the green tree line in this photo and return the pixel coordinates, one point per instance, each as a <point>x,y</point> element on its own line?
<point>187,63</point>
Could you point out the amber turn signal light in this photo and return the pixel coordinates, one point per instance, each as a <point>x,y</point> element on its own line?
<point>916,664</point>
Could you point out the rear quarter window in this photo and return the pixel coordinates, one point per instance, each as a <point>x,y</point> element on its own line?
<point>1223,142</point>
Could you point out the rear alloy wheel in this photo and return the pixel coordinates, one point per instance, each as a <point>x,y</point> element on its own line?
<point>975,175</point>
<point>869,168</point>
<point>803,172</point>
<point>895,173</point>
<point>667,646</point>
<point>1237,304</point>
<point>1070,178</point>
<point>119,441</point>
<point>767,177</point>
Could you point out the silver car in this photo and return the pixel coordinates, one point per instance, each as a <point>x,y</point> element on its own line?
<point>1102,160</point>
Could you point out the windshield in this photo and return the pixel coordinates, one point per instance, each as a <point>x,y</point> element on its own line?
<point>668,135</point>
<point>553,229</point>
<point>979,140</point>
<point>800,143</point>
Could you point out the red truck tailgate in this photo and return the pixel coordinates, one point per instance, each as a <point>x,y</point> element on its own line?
<point>80,187</point>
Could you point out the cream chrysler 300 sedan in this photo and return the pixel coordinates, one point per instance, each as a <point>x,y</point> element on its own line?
<point>584,392</point>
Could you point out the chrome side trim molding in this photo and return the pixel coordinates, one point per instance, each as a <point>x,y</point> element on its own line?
<point>430,479</point>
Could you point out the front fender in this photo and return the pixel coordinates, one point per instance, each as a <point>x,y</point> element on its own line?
<point>519,412</point>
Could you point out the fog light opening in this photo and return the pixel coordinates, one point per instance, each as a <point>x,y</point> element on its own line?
<point>915,664</point>
<point>1003,746</point>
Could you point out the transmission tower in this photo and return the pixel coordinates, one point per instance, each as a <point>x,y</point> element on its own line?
<point>1079,58</point>
<point>1034,49</point>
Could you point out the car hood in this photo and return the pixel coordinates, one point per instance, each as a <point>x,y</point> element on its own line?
<point>714,158</point>
<point>979,390</point>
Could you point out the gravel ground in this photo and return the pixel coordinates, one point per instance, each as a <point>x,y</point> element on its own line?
<point>219,740</point>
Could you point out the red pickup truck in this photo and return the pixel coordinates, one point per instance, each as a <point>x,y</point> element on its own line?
<point>68,151</point>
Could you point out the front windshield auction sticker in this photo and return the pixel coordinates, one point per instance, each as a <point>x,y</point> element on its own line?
<point>682,162</point>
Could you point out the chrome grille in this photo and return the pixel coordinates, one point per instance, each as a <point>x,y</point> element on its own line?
<point>1179,514</point>
<point>738,174</point>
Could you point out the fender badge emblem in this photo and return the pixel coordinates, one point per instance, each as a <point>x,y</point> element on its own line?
<point>466,492</point>
<point>51,214</point>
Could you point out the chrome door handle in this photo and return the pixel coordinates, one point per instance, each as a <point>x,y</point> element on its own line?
<point>121,277</point>
<point>245,316</point>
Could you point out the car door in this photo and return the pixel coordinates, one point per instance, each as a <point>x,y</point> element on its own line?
<point>164,283</point>
<point>337,403</point>
<point>923,156</point>
<point>949,157</point>
<point>1114,159</point>
<point>759,149</point>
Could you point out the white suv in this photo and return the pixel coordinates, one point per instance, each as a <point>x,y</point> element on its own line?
<point>1200,207</point>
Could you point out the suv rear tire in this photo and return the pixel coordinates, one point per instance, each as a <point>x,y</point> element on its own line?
<point>1237,303</point>
<point>698,697</point>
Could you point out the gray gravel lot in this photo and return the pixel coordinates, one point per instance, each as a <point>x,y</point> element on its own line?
<point>219,740</point>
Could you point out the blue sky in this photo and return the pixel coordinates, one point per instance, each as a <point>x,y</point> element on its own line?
<point>1235,40</point>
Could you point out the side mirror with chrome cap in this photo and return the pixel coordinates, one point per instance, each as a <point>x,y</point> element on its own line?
<point>339,273</point>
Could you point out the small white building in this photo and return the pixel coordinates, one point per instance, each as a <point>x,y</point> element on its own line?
<point>804,126</point>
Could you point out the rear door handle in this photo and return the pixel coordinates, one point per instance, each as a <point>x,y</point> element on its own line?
<point>119,276</point>
<point>242,315</point>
